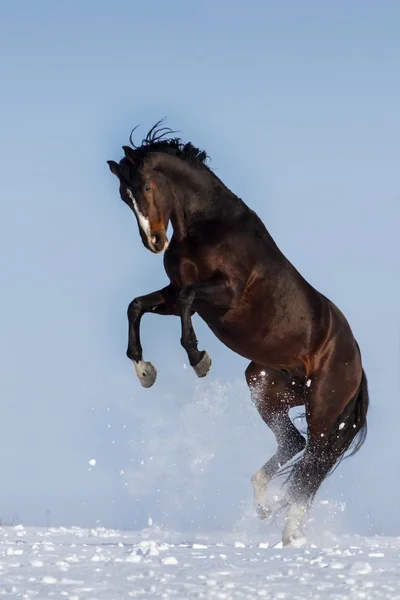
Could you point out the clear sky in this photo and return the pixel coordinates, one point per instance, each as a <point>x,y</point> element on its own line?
<point>297,103</point>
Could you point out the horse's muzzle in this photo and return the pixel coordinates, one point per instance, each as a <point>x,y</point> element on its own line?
<point>158,243</point>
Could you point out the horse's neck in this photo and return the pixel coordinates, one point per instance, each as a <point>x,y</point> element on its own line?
<point>198,195</point>
<point>193,192</point>
<point>188,206</point>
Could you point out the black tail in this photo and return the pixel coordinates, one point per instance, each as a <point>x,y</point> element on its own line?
<point>350,430</point>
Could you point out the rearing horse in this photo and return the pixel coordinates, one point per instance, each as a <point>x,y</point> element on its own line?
<point>224,265</point>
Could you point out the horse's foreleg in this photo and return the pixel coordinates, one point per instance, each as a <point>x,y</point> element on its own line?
<point>162,302</point>
<point>215,292</point>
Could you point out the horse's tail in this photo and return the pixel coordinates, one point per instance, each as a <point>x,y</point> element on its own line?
<point>350,429</point>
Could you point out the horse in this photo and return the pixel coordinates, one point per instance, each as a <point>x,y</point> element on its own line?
<point>222,263</point>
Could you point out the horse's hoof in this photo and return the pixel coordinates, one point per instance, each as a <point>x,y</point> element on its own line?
<point>146,372</point>
<point>202,368</point>
<point>263,512</point>
<point>296,540</point>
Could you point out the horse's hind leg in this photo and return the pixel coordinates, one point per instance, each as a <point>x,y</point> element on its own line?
<point>336,408</point>
<point>274,394</point>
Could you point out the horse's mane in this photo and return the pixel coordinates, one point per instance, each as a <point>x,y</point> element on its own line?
<point>157,141</point>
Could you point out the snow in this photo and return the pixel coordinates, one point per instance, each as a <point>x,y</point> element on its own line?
<point>77,564</point>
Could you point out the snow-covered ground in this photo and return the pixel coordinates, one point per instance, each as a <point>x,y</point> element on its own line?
<point>99,564</point>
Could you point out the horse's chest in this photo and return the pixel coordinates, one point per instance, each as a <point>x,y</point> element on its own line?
<point>183,270</point>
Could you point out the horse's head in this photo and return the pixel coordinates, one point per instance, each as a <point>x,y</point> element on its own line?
<point>142,189</point>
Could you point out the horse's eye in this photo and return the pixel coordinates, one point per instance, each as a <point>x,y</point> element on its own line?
<point>147,188</point>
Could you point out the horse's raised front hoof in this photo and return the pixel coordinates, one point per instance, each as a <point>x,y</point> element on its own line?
<point>202,368</point>
<point>146,372</point>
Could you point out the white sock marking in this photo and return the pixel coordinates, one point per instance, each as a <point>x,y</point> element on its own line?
<point>260,482</point>
<point>293,523</point>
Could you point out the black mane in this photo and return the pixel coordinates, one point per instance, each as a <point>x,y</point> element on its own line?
<point>156,141</point>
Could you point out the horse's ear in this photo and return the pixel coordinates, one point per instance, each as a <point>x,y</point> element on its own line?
<point>114,167</point>
<point>130,154</point>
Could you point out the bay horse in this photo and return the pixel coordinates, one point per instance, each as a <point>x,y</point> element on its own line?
<point>223,264</point>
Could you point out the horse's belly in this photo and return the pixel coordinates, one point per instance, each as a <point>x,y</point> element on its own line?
<point>248,338</point>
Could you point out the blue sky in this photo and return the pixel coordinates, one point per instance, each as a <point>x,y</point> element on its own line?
<point>297,105</point>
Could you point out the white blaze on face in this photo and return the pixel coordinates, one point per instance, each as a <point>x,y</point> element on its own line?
<point>143,221</point>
